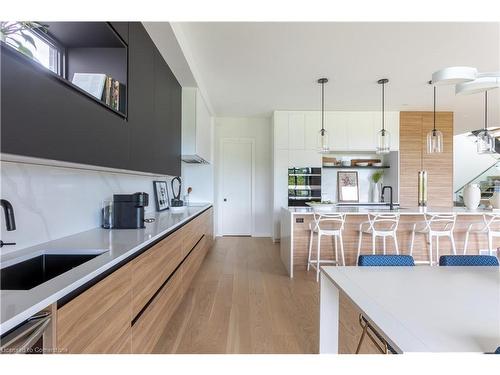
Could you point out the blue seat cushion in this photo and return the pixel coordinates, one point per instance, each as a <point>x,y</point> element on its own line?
<point>385,260</point>
<point>468,260</point>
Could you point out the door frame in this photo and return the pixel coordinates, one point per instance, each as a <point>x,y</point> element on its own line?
<point>220,197</point>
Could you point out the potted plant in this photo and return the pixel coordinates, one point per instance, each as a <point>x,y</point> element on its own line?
<point>15,34</point>
<point>376,179</point>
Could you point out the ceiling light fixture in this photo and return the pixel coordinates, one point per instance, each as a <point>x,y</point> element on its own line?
<point>485,141</point>
<point>323,145</point>
<point>384,138</point>
<point>467,79</point>
<point>434,137</point>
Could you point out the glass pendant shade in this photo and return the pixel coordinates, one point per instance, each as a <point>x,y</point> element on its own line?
<point>485,143</point>
<point>323,145</point>
<point>434,142</point>
<point>383,142</point>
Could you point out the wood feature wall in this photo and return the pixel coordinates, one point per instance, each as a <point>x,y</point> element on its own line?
<point>413,130</point>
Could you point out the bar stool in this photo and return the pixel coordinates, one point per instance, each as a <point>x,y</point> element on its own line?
<point>490,227</point>
<point>326,224</point>
<point>379,225</point>
<point>435,225</point>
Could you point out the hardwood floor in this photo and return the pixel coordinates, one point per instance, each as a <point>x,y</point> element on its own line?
<point>242,301</point>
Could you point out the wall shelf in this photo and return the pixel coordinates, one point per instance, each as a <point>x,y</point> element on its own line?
<point>357,167</point>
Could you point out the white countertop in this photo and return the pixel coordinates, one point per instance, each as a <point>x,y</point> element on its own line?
<point>427,309</point>
<point>18,305</point>
<point>365,210</point>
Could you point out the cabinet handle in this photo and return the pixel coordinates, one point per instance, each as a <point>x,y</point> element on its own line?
<point>225,199</point>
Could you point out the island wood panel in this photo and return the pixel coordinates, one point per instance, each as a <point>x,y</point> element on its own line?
<point>439,167</point>
<point>98,320</point>
<point>410,151</point>
<point>351,235</point>
<point>414,127</point>
<point>153,267</point>
<point>350,330</point>
<point>148,328</point>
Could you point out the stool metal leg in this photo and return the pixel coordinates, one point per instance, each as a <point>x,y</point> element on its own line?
<point>395,243</point>
<point>384,244</point>
<point>342,249</point>
<point>412,242</point>
<point>336,250</point>
<point>374,239</point>
<point>318,257</point>
<point>490,243</point>
<point>454,248</point>
<point>310,249</point>
<point>431,260</point>
<point>360,239</point>
<point>466,241</point>
<point>437,249</point>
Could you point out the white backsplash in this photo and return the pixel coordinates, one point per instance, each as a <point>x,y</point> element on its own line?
<point>52,202</point>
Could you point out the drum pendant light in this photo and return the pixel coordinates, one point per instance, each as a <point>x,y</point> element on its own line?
<point>383,138</point>
<point>434,137</point>
<point>485,141</point>
<point>323,145</point>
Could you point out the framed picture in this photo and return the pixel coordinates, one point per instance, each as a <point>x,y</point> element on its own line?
<point>347,186</point>
<point>161,195</point>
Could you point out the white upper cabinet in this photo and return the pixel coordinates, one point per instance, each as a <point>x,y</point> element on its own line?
<point>296,131</point>
<point>196,128</point>
<point>337,127</point>
<point>312,127</point>
<point>280,122</point>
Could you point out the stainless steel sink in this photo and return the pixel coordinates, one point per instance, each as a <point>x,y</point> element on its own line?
<point>36,270</point>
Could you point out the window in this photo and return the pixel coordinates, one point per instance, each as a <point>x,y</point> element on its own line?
<point>45,50</point>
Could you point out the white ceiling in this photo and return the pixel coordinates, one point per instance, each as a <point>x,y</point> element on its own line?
<point>252,69</point>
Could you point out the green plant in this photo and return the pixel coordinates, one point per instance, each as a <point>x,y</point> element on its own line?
<point>377,176</point>
<point>8,31</point>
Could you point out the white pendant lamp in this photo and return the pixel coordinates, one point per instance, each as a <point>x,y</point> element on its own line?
<point>323,145</point>
<point>434,137</point>
<point>383,137</point>
<point>485,141</point>
<point>467,79</point>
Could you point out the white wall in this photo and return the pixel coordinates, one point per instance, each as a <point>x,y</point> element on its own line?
<point>52,202</point>
<point>467,163</point>
<point>260,130</point>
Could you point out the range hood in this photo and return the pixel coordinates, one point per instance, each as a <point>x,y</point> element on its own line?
<point>196,128</point>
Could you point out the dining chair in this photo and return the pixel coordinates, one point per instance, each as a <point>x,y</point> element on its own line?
<point>368,330</point>
<point>468,260</point>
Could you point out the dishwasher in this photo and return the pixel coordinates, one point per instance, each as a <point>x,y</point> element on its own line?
<point>33,336</point>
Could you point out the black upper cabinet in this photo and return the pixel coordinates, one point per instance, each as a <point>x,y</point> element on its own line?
<point>43,117</point>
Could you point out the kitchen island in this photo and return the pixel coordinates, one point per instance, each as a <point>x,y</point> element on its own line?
<point>295,232</point>
<point>414,309</point>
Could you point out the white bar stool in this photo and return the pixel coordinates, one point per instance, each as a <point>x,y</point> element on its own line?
<point>379,225</point>
<point>490,226</point>
<point>439,225</point>
<point>326,224</point>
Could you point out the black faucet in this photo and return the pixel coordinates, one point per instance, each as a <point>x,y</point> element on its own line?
<point>391,204</point>
<point>10,221</point>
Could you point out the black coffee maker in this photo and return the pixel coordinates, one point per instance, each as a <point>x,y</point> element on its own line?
<point>127,211</point>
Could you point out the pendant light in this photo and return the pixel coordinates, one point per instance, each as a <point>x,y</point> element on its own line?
<point>323,145</point>
<point>485,141</point>
<point>384,138</point>
<point>434,137</point>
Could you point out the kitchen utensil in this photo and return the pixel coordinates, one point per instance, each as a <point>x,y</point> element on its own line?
<point>369,161</point>
<point>377,164</point>
<point>364,164</point>
<point>176,200</point>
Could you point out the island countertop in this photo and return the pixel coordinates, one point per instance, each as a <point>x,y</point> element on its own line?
<point>18,305</point>
<point>417,309</point>
<point>379,209</point>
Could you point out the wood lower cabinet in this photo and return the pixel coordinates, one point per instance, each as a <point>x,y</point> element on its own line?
<point>98,320</point>
<point>152,268</point>
<point>414,127</point>
<point>127,311</point>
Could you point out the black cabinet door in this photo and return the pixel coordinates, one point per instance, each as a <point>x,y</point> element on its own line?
<point>155,138</point>
<point>42,117</point>
<point>122,29</point>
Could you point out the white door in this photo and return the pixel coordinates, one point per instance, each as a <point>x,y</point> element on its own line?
<point>236,187</point>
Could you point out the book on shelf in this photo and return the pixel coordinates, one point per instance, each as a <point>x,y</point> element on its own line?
<point>103,87</point>
<point>93,83</point>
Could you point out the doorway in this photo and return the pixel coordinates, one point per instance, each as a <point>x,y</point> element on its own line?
<point>236,186</point>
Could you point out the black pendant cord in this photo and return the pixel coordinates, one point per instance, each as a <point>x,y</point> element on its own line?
<point>322,108</point>
<point>383,108</point>
<point>486,111</point>
<point>434,130</point>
